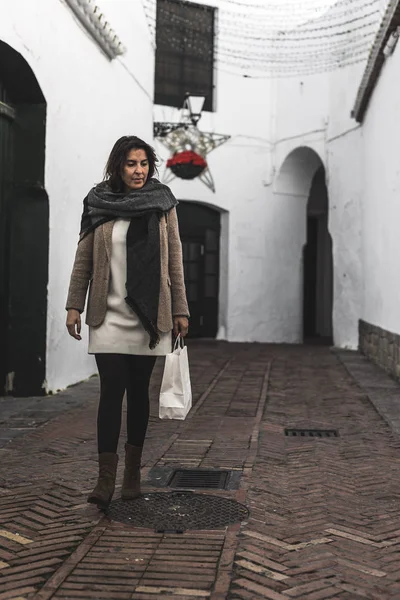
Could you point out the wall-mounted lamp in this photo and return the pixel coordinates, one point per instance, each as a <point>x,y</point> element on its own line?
<point>194,105</point>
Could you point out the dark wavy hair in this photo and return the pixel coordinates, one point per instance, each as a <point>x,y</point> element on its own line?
<point>117,158</point>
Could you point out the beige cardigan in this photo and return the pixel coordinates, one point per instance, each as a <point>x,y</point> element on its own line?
<point>92,264</point>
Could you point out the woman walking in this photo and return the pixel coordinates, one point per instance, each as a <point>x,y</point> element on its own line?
<point>130,252</point>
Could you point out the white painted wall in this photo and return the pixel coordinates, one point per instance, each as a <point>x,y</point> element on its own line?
<point>363,177</point>
<point>381,206</point>
<point>241,168</point>
<point>261,297</point>
<point>314,112</point>
<point>91,101</point>
<point>346,181</point>
<point>266,198</point>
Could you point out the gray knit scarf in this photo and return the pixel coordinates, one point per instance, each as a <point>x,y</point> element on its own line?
<point>144,207</point>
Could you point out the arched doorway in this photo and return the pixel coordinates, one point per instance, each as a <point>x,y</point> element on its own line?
<point>200,233</point>
<point>24,228</point>
<point>318,265</point>
<point>301,205</point>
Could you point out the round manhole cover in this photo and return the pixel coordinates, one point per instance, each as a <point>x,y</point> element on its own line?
<point>178,511</point>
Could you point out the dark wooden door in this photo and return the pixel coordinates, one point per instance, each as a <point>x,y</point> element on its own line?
<point>200,234</point>
<point>29,254</point>
<point>24,228</point>
<point>193,250</point>
<point>7,116</point>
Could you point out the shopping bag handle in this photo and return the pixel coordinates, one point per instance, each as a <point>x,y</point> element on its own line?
<point>179,342</point>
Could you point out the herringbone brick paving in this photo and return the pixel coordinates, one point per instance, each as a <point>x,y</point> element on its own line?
<point>324,513</point>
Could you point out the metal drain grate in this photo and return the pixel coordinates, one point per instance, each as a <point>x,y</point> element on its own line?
<point>162,477</point>
<point>178,511</point>
<point>313,433</point>
<point>199,479</point>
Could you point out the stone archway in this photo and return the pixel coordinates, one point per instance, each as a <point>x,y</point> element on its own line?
<point>24,228</point>
<point>297,171</point>
<point>305,244</point>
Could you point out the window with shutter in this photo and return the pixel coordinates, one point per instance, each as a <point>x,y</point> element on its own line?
<point>185,52</point>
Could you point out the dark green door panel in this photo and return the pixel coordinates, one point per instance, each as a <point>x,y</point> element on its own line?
<point>29,246</point>
<point>6,185</point>
<point>200,233</point>
<point>24,228</point>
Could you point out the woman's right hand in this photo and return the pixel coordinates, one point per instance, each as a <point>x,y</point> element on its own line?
<point>74,323</point>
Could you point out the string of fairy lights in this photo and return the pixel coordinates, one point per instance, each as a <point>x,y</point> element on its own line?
<point>271,38</point>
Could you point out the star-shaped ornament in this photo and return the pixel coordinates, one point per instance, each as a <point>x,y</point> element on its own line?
<point>189,148</point>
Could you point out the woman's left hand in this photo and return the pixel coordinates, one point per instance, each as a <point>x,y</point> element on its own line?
<point>181,326</point>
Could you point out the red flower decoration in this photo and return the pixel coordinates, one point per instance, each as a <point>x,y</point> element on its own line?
<point>187,165</point>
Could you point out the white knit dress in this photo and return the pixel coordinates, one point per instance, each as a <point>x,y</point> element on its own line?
<point>121,331</point>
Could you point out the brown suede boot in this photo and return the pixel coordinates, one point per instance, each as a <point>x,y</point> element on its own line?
<point>104,490</point>
<point>131,485</point>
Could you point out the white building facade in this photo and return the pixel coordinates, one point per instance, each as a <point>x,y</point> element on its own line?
<point>94,82</point>
<point>346,121</point>
<point>305,194</point>
<point>294,192</point>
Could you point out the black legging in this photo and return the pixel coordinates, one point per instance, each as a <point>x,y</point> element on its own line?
<point>120,372</point>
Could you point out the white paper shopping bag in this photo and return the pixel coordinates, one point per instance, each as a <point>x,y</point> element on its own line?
<point>176,391</point>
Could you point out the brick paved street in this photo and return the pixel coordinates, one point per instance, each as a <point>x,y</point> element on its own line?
<point>324,513</point>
